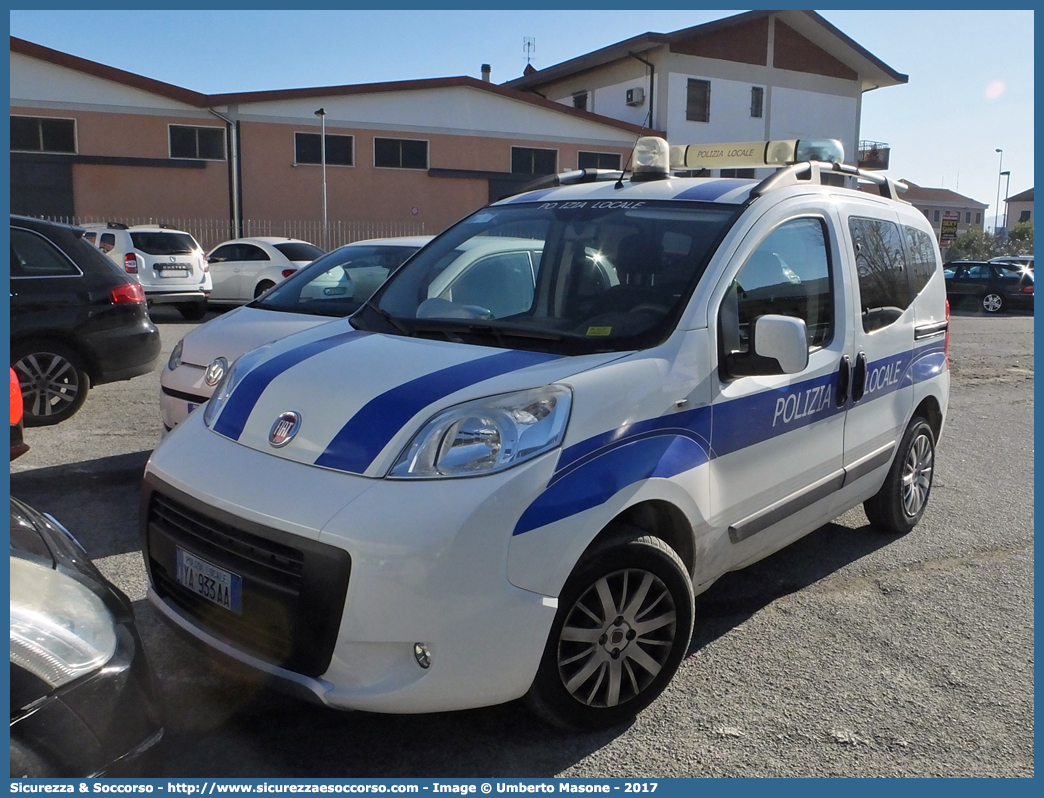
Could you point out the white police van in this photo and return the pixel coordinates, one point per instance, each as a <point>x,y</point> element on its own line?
<point>434,506</point>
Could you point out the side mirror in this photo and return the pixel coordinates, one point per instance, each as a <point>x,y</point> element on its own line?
<point>778,345</point>
<point>783,339</point>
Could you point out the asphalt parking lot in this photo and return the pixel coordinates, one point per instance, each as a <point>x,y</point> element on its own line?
<point>848,654</point>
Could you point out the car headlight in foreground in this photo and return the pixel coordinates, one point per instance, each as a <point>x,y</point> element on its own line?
<point>228,383</point>
<point>487,435</point>
<point>60,630</point>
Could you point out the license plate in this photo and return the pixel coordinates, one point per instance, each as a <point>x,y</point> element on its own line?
<point>173,273</point>
<point>212,583</point>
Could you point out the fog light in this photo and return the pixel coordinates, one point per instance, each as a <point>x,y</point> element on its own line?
<point>422,655</point>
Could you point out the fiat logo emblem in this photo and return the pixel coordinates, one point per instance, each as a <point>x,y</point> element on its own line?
<point>285,428</point>
<point>215,371</point>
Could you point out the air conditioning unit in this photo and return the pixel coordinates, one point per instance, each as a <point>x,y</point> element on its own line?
<point>636,96</point>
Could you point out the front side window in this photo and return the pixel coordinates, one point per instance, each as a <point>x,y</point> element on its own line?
<point>400,153</point>
<point>597,160</point>
<point>32,255</point>
<point>884,291</point>
<point>308,149</point>
<point>697,100</point>
<point>787,275</point>
<point>42,134</point>
<point>566,277</point>
<point>532,161</point>
<point>206,143</point>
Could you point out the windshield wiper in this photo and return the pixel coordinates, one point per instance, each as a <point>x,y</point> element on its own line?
<point>497,332</point>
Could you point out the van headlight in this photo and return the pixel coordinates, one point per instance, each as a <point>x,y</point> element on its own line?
<point>60,630</point>
<point>487,435</point>
<point>228,383</point>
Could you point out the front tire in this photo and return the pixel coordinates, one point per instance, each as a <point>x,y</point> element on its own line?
<point>623,625</point>
<point>901,502</point>
<point>992,302</point>
<point>53,381</point>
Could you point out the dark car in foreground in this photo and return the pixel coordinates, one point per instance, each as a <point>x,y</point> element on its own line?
<point>993,286</point>
<point>83,701</point>
<point>77,320</point>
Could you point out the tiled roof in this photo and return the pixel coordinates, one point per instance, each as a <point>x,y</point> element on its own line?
<point>915,193</point>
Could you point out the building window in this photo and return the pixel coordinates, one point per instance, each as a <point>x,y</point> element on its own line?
<point>207,143</point>
<point>531,161</point>
<point>967,217</point>
<point>400,153</point>
<point>307,149</point>
<point>978,218</point>
<point>42,134</point>
<point>597,160</point>
<point>736,173</point>
<point>936,216</point>
<point>580,100</point>
<point>697,101</point>
<point>1025,216</point>
<point>757,102</point>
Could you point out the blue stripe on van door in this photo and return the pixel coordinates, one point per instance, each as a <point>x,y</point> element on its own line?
<point>359,441</point>
<point>241,403</point>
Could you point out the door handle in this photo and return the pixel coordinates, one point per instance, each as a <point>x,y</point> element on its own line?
<point>859,377</point>
<point>844,380</point>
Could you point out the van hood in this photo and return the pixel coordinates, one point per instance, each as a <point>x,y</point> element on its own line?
<point>240,330</point>
<point>357,398</point>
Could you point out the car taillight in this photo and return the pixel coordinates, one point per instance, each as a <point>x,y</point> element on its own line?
<point>206,265</point>
<point>946,338</point>
<point>288,272</point>
<point>130,263</point>
<point>1027,289</point>
<point>129,292</point>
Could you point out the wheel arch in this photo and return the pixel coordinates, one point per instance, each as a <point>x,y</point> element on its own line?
<point>35,339</point>
<point>931,412</point>
<point>655,517</point>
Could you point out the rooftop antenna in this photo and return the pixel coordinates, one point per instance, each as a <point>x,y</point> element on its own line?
<point>528,47</point>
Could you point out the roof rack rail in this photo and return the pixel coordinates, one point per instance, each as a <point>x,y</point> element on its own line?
<point>569,179</point>
<point>116,226</point>
<point>792,175</point>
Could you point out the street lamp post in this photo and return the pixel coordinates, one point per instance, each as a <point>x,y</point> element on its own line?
<point>1007,191</point>
<point>321,113</point>
<point>996,208</point>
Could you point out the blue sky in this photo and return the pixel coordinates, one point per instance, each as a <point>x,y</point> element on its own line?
<point>970,89</point>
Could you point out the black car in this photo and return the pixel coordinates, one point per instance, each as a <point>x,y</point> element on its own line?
<point>77,320</point>
<point>993,286</point>
<point>83,701</point>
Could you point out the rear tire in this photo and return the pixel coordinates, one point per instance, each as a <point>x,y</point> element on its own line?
<point>623,625</point>
<point>992,302</point>
<point>53,381</point>
<point>193,311</point>
<point>901,502</point>
<point>263,286</point>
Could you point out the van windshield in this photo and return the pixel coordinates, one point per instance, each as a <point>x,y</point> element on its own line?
<point>568,277</point>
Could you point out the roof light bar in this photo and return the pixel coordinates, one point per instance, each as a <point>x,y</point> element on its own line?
<point>783,152</point>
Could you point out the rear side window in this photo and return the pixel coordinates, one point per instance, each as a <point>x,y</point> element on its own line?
<point>923,262</point>
<point>32,255</point>
<point>164,243</point>
<point>294,251</point>
<point>884,291</point>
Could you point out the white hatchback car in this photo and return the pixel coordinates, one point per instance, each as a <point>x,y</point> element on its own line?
<point>468,494</point>
<point>333,286</point>
<point>169,263</point>
<point>244,268</point>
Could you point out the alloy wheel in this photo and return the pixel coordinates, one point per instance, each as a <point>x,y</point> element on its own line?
<point>917,475</point>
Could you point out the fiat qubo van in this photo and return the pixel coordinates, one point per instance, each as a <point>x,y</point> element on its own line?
<point>511,482</point>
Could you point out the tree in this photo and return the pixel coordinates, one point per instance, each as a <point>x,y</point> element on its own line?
<point>1020,239</point>
<point>973,245</point>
